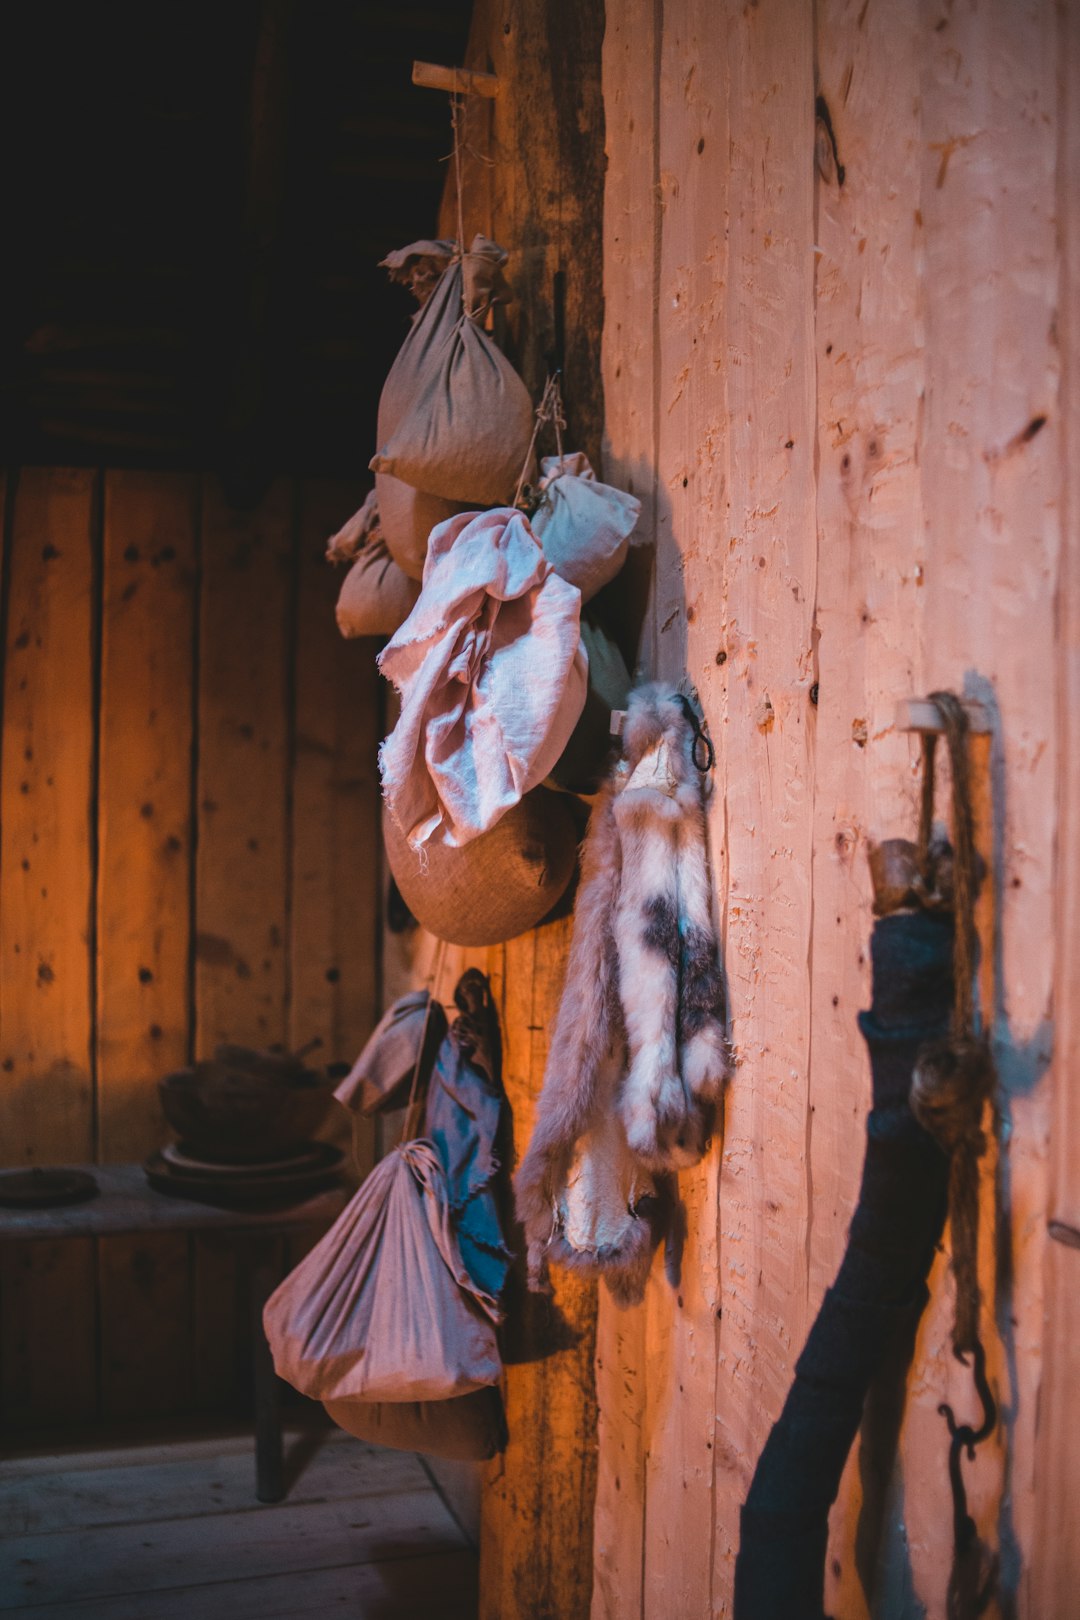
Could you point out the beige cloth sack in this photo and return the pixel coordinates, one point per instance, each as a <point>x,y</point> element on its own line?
<point>455,419</point>
<point>376,596</point>
<point>383,1308</point>
<point>419,266</point>
<point>498,886</point>
<point>469,1427</point>
<point>583,525</point>
<point>408,517</point>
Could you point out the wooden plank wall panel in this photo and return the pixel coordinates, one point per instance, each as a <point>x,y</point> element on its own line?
<point>46,861</point>
<point>542,200</point>
<point>631,216</point>
<point>926,284</point>
<point>868,619</point>
<point>991,484</point>
<point>144,802</point>
<point>336,840</point>
<point>245,679</point>
<point>47,1320</point>
<point>1055,1571</point>
<point>537,1501</point>
<point>106,662</point>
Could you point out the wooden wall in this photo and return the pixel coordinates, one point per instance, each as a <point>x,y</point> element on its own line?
<point>188,854</point>
<point>840,288</point>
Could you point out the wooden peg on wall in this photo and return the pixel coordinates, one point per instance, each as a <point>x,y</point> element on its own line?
<point>456,81</point>
<point>921,714</point>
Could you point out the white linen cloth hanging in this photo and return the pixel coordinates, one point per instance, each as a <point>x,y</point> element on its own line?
<point>492,677</point>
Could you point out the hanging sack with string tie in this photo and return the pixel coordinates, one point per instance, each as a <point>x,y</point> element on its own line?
<point>462,416</point>
<point>384,1308</point>
<point>376,595</point>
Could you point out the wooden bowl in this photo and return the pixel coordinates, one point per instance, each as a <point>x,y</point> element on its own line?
<point>239,1115</point>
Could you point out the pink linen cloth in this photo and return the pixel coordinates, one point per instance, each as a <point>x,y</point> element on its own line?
<point>492,677</point>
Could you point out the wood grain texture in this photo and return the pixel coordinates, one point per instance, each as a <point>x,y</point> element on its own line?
<point>48,1334</point>
<point>537,1501</point>
<point>1055,1565</point>
<point>46,856</point>
<point>870,373</point>
<point>853,350</point>
<point>335,845</point>
<point>631,219</point>
<point>245,678</point>
<point>144,802</point>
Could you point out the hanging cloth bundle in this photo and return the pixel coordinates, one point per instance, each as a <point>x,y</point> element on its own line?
<point>384,1311</point>
<point>377,596</point>
<point>638,1055</point>
<point>492,678</point>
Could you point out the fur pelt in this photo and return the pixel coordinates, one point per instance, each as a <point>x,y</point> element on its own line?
<point>638,1056</point>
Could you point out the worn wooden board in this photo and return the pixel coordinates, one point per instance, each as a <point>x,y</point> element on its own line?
<point>438,1585</point>
<point>152,1486</point>
<point>1055,1564</point>
<point>245,700</point>
<point>870,371</point>
<point>536,1507</point>
<point>46,857</point>
<point>631,239</point>
<point>144,802</point>
<point>335,808</point>
<point>48,1334</point>
<point>145,1293</point>
<point>72,1566</point>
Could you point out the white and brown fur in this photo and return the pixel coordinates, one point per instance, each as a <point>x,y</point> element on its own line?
<point>643,987</point>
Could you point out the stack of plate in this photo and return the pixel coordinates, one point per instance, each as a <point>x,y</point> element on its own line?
<point>176,1170</point>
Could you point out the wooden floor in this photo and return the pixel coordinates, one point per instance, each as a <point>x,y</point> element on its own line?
<point>173,1532</point>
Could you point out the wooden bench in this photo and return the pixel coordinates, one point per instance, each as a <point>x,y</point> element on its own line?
<point>126,1203</point>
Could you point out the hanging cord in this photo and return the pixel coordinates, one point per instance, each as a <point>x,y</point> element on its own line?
<point>951,1082</point>
<point>706,758</point>
<point>550,409</point>
<point>457,106</point>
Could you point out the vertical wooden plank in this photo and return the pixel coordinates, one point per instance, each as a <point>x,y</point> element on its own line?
<point>759,517</point>
<point>990,486</point>
<point>144,802</point>
<point>46,857</point>
<point>869,596</point>
<point>48,1342</point>
<point>538,1497</point>
<point>631,216</point>
<point>1054,1577</point>
<point>335,852</point>
<point>242,867</point>
<point>146,1364</point>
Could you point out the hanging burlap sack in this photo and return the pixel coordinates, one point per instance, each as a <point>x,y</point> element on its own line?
<point>408,517</point>
<point>376,596</point>
<point>584,761</point>
<point>492,679</point>
<point>354,534</point>
<point>455,419</point>
<point>583,525</point>
<point>383,1308</point>
<point>419,266</point>
<point>470,1428</point>
<point>499,885</point>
